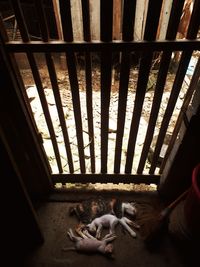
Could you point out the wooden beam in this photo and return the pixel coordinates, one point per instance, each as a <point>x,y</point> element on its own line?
<point>105,178</point>
<point>61,46</point>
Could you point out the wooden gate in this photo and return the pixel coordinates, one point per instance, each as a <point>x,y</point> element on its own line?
<point>103,129</point>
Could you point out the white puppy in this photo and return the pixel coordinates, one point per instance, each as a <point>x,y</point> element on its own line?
<point>90,244</point>
<point>110,221</point>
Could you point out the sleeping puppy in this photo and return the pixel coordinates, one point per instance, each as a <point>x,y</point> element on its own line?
<point>110,221</point>
<point>89,244</point>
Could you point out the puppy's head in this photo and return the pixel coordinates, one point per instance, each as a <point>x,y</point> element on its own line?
<point>91,228</point>
<point>130,208</point>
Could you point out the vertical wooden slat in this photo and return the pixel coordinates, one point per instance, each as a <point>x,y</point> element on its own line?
<point>127,35</point>
<point>162,75</point>
<point>66,19</point>
<point>53,78</point>
<point>152,20</point>
<point>88,77</point>
<point>72,71</point>
<point>175,15</point>
<point>57,18</point>
<point>106,17</point>
<point>38,82</point>
<point>128,20</point>
<point>123,91</point>
<point>182,68</point>
<point>86,20</point>
<point>54,82</point>
<point>88,73</point>
<point>194,25</point>
<point>106,71</point>
<point>145,65</point>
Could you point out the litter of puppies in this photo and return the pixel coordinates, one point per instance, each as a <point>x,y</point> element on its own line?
<point>96,214</point>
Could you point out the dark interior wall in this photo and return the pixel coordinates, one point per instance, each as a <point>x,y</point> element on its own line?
<point>186,158</point>
<point>20,227</point>
<point>20,133</point>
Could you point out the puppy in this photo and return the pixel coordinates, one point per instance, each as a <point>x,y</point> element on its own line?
<point>89,244</point>
<point>110,221</point>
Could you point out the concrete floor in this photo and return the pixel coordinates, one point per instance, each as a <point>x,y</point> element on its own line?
<point>128,251</point>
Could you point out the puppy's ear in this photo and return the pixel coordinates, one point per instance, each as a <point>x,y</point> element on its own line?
<point>133,204</point>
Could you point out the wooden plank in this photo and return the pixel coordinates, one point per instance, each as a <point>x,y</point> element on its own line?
<point>106,178</point>
<point>66,19</point>
<point>77,20</point>
<point>164,19</point>
<point>56,8</point>
<point>72,71</point>
<point>89,103</point>
<point>42,20</point>
<point>96,46</point>
<point>95,19</point>
<point>88,77</point>
<point>106,72</point>
<point>86,20</point>
<point>175,15</point>
<point>194,25</point>
<point>38,82</point>
<point>117,18</point>
<point>123,91</point>
<point>106,20</point>
<point>152,20</point>
<point>20,20</point>
<point>140,18</point>
<point>54,82</point>
<point>128,19</point>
